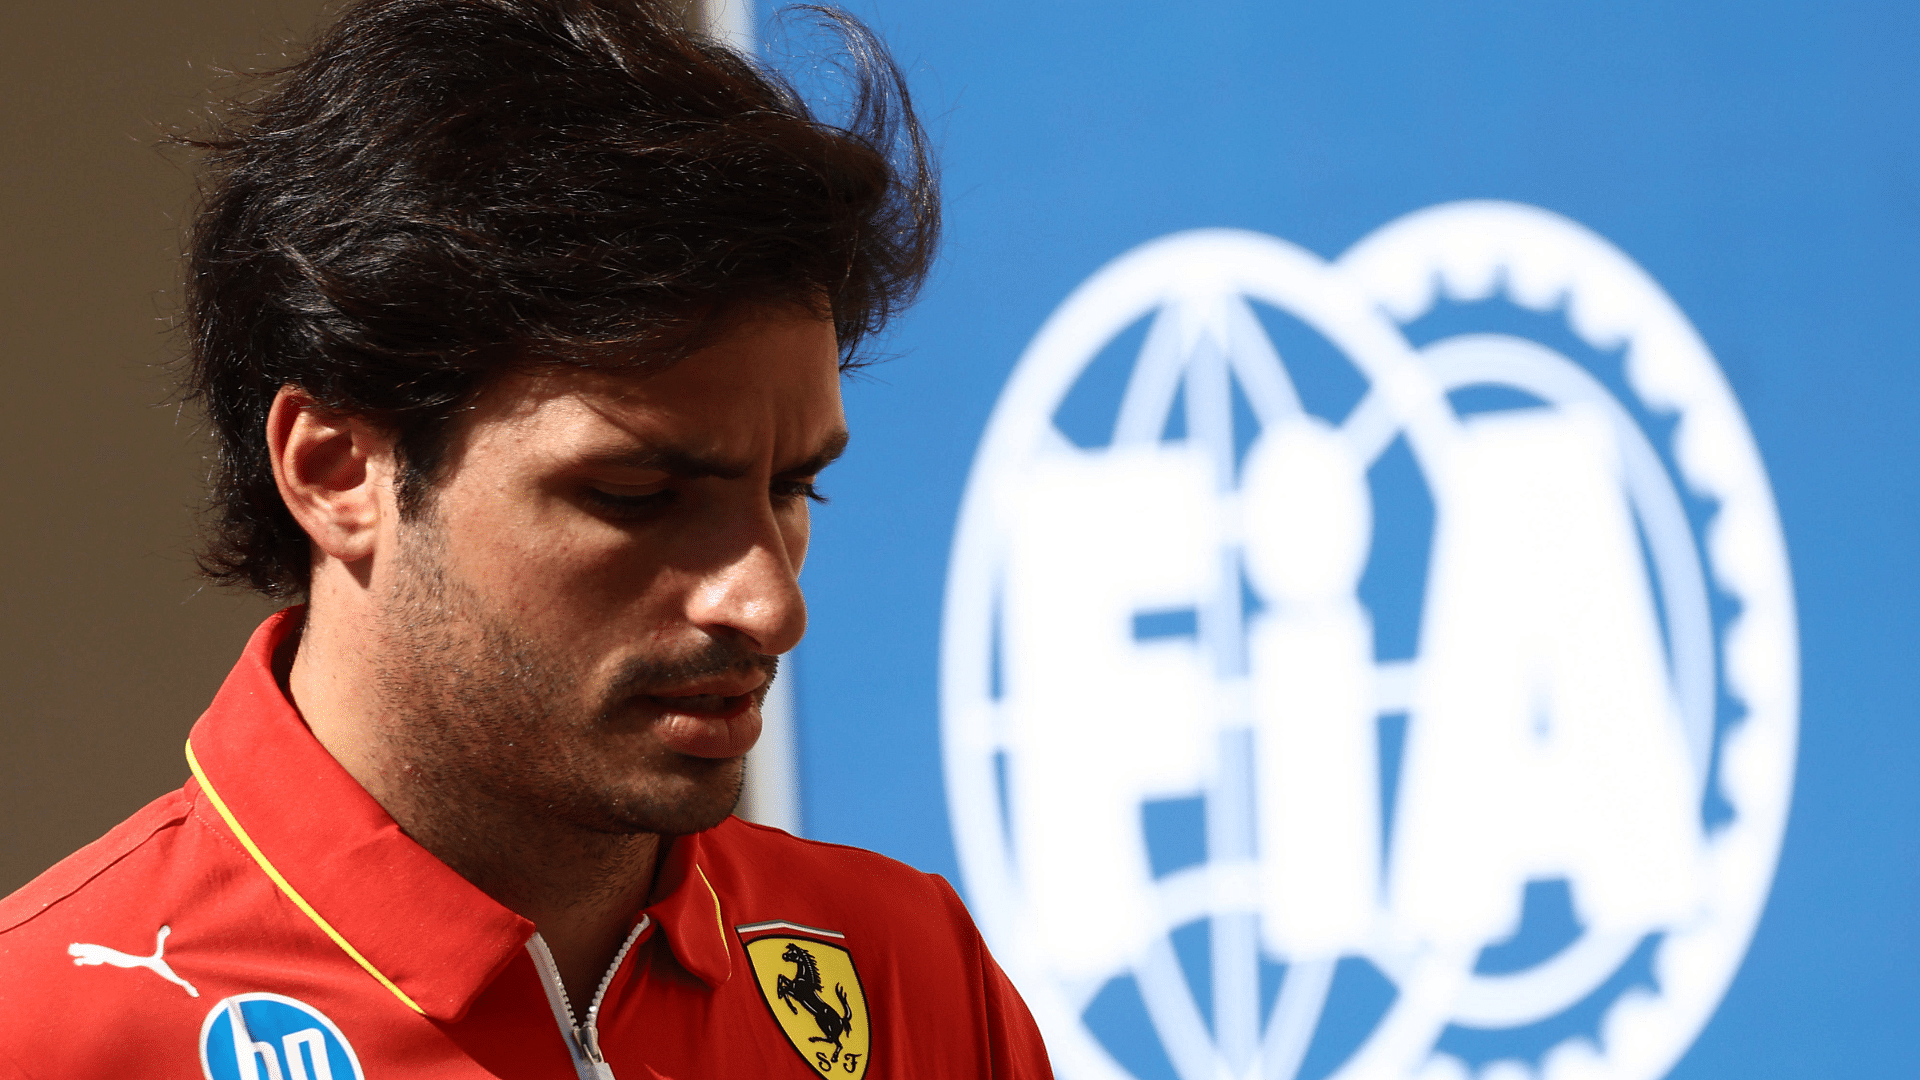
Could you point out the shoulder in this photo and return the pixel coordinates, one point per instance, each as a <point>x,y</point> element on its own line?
<point>82,869</point>
<point>749,851</point>
<point>767,869</point>
<point>88,936</point>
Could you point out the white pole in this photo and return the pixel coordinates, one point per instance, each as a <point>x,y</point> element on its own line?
<point>772,794</point>
<point>729,22</point>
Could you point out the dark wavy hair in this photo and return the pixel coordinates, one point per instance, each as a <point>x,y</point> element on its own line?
<point>444,189</point>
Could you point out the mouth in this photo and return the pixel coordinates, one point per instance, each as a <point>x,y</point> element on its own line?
<point>714,725</point>
<point>705,706</point>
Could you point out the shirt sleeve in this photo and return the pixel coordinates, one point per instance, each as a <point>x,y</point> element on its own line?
<point>1013,1045</point>
<point>1013,1038</point>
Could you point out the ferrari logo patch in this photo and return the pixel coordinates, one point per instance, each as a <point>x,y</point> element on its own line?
<point>816,998</point>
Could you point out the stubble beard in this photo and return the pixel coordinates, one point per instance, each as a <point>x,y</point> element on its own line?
<point>492,723</point>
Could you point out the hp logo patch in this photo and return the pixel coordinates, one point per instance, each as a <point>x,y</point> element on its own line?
<point>1383,668</point>
<point>271,1037</point>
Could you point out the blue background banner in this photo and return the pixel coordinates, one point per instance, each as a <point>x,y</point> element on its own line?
<point>1760,162</point>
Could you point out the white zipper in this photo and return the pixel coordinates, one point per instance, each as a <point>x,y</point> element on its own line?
<point>583,1039</point>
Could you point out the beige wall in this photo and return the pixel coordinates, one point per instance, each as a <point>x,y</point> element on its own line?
<point>111,647</point>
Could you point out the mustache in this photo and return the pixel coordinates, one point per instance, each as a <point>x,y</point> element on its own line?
<point>644,676</point>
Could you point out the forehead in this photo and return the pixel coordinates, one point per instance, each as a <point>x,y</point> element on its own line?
<point>768,384</point>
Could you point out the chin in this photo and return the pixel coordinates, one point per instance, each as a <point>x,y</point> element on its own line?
<point>680,805</point>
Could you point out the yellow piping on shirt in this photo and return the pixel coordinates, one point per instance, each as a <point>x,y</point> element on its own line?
<point>299,901</point>
<point>717,920</point>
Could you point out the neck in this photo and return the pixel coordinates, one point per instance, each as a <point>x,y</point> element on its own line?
<point>580,888</point>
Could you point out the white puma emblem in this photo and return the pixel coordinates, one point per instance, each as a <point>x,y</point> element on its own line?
<point>84,955</point>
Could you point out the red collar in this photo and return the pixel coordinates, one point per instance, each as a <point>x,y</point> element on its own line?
<point>416,926</point>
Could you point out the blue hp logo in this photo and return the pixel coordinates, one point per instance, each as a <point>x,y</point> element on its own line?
<point>270,1037</point>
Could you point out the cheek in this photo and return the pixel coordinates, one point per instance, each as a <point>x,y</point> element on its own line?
<point>549,564</point>
<point>601,576</point>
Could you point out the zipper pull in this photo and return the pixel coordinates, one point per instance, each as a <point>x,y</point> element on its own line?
<point>589,1033</point>
<point>589,1042</point>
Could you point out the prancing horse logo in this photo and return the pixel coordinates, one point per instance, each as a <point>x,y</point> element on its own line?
<point>801,972</point>
<point>805,987</point>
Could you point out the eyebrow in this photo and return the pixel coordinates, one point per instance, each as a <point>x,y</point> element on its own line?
<point>687,465</point>
<point>829,452</point>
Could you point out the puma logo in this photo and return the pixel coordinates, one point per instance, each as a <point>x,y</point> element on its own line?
<point>89,955</point>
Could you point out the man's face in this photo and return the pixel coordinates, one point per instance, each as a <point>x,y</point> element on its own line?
<point>583,620</point>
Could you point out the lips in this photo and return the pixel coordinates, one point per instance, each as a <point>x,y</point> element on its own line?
<point>707,725</point>
<point>705,704</point>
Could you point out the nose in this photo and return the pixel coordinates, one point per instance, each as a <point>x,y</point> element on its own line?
<point>754,591</point>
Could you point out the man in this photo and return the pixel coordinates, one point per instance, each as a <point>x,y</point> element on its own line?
<point>519,324</point>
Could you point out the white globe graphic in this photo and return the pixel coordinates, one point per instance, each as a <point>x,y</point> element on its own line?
<point>1225,789</point>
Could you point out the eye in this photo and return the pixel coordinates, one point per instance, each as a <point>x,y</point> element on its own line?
<point>786,491</point>
<point>627,505</point>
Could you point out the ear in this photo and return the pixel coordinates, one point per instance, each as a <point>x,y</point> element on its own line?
<point>334,471</point>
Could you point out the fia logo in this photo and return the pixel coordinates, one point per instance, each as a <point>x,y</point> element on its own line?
<point>816,998</point>
<point>1383,668</point>
<point>265,1036</point>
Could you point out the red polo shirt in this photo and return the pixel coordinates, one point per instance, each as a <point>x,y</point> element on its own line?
<point>269,921</point>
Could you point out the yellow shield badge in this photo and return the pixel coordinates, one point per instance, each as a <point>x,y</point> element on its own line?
<point>816,998</point>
